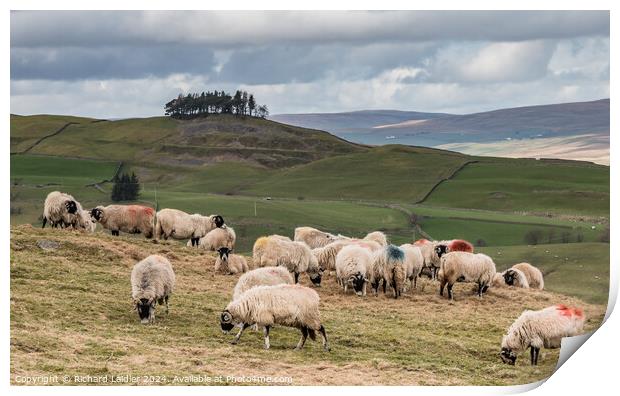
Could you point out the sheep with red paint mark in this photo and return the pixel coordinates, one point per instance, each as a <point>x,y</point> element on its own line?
<point>131,219</point>
<point>538,329</point>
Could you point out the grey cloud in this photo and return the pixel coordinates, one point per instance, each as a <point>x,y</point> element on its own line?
<point>226,28</point>
<point>69,63</point>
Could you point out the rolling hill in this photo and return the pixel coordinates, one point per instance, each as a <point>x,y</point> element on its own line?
<point>582,126</point>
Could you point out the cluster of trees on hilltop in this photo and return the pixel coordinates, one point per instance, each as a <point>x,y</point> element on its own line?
<point>216,102</point>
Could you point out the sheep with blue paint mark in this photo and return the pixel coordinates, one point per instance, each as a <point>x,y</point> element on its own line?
<point>390,267</point>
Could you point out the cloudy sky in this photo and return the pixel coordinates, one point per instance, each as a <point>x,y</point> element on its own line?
<point>127,64</point>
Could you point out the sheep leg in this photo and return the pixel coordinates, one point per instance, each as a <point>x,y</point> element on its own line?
<point>166,301</point>
<point>415,282</point>
<point>364,289</point>
<point>324,335</point>
<point>534,355</point>
<point>266,334</point>
<point>441,287</point>
<point>384,285</point>
<point>302,340</point>
<point>479,290</point>
<point>236,339</point>
<point>44,222</point>
<point>296,277</point>
<point>450,296</point>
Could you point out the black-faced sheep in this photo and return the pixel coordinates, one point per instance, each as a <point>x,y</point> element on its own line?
<point>152,281</point>
<point>537,329</point>
<point>268,276</point>
<point>228,263</point>
<point>352,265</point>
<point>510,277</point>
<point>62,210</point>
<point>131,219</point>
<point>176,224</point>
<point>534,275</point>
<point>465,267</point>
<point>265,306</point>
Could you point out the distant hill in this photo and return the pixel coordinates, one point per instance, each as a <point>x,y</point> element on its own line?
<point>587,123</point>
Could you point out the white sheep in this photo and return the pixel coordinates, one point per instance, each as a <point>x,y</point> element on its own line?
<point>176,224</point>
<point>219,237</point>
<point>389,266</point>
<point>268,276</point>
<point>543,328</point>
<point>152,281</point>
<point>414,261</point>
<point>534,275</point>
<point>265,306</point>
<point>515,277</point>
<point>465,267</point>
<point>229,263</point>
<point>62,210</point>
<point>132,219</point>
<point>352,265</point>
<point>378,237</point>
<point>313,237</point>
<point>295,256</point>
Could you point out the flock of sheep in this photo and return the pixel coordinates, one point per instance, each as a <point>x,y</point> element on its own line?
<point>270,294</point>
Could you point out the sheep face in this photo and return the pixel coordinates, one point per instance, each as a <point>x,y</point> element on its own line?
<point>440,250</point>
<point>509,277</point>
<point>224,252</point>
<point>218,221</point>
<point>146,310</point>
<point>96,214</point>
<point>508,356</point>
<point>316,277</point>
<point>357,281</point>
<point>71,207</point>
<point>226,321</point>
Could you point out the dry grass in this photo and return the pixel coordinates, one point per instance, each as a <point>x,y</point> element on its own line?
<point>71,314</point>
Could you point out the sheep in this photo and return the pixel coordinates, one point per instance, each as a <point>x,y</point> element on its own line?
<point>388,265</point>
<point>352,265</point>
<point>176,224</point>
<point>326,255</point>
<point>510,277</point>
<point>312,237</point>
<point>465,267</point>
<point>378,237</point>
<point>152,281</point>
<point>543,328</point>
<point>428,253</point>
<point>229,263</point>
<point>132,219</point>
<point>268,276</point>
<point>534,275</point>
<point>414,261</point>
<point>265,306</point>
<point>217,238</point>
<point>62,210</point>
<point>432,255</point>
<point>297,257</point>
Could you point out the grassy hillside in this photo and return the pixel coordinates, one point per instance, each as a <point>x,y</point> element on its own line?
<point>549,186</point>
<point>418,339</point>
<point>27,130</point>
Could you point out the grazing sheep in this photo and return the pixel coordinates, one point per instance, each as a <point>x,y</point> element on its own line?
<point>217,238</point>
<point>431,261</point>
<point>268,276</point>
<point>286,305</point>
<point>132,219</point>
<point>313,237</point>
<point>378,237</point>
<point>465,267</point>
<point>152,281</point>
<point>297,257</point>
<point>534,275</point>
<point>228,263</point>
<point>537,329</point>
<point>62,210</point>
<point>176,224</point>
<point>510,277</point>
<point>389,266</point>
<point>352,265</point>
<point>414,261</point>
